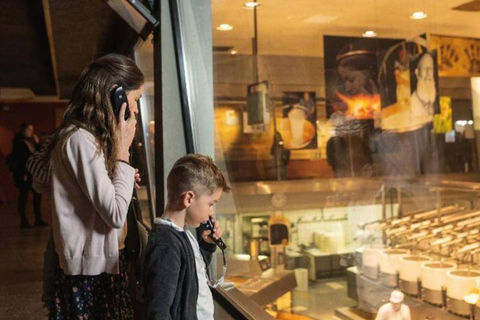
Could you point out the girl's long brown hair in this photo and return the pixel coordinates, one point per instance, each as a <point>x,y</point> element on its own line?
<point>90,107</point>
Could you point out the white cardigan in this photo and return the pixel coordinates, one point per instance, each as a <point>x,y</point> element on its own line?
<point>88,207</point>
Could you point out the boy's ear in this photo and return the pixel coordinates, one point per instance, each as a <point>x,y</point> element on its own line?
<point>187,198</point>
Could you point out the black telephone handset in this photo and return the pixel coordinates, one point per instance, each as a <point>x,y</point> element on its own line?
<point>119,96</point>
<point>208,225</point>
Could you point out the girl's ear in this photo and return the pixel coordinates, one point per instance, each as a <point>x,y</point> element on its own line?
<point>187,198</point>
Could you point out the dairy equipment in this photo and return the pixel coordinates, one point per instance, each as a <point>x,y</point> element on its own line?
<point>434,280</point>
<point>410,273</point>
<point>371,260</point>
<point>421,253</point>
<point>458,284</point>
<point>389,265</point>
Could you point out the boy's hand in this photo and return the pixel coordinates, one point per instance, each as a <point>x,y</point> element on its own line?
<point>217,233</point>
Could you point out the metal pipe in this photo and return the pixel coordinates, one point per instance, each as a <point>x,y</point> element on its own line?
<point>468,247</point>
<point>448,244</point>
<point>443,211</point>
<point>467,222</point>
<point>461,217</point>
<point>441,241</point>
<point>419,235</point>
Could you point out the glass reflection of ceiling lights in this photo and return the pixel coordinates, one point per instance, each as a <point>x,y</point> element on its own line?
<point>369,34</point>
<point>225,27</point>
<point>418,15</point>
<point>251,4</point>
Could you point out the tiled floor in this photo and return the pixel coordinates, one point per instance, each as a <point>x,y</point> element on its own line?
<point>21,264</point>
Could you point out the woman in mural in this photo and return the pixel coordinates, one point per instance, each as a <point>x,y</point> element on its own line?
<point>354,103</point>
<point>356,68</point>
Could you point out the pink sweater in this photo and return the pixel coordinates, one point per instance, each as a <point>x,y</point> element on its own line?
<point>88,207</point>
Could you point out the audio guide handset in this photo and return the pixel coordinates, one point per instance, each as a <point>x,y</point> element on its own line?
<point>119,96</point>
<point>208,225</point>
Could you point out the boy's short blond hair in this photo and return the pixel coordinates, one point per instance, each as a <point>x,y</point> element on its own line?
<point>197,173</point>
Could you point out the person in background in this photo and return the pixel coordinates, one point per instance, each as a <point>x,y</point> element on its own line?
<point>25,143</point>
<point>395,309</point>
<point>175,278</point>
<point>281,155</point>
<point>91,183</point>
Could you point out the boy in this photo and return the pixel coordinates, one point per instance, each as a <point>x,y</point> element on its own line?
<point>175,272</point>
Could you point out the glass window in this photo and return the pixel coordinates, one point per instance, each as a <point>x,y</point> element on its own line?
<point>145,137</point>
<point>348,131</point>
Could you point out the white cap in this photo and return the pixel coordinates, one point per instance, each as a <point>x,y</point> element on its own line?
<point>396,296</point>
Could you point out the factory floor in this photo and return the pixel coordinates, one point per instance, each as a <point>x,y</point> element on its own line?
<point>319,301</point>
<point>322,298</point>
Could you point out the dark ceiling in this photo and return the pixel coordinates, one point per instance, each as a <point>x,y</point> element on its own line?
<point>81,30</point>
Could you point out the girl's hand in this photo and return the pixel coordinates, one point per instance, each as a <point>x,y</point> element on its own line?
<point>125,134</point>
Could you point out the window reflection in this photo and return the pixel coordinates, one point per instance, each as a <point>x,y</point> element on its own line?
<point>369,154</point>
<point>144,140</point>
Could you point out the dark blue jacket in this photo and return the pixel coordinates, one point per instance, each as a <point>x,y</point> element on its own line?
<point>169,275</point>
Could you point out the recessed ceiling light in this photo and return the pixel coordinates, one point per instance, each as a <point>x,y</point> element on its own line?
<point>225,27</point>
<point>251,5</point>
<point>233,51</point>
<point>369,34</point>
<point>418,15</point>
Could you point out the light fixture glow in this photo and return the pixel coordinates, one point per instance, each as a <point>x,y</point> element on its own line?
<point>233,51</point>
<point>251,5</point>
<point>225,27</point>
<point>418,15</point>
<point>369,34</point>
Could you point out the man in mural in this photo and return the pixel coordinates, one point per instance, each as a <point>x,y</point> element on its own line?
<point>406,146</point>
<point>425,94</point>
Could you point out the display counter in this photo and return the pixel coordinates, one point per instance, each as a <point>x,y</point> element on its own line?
<point>267,287</point>
<point>230,303</point>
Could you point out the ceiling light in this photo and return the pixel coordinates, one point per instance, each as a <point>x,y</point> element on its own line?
<point>251,4</point>
<point>233,51</point>
<point>369,34</point>
<point>418,15</point>
<point>225,27</point>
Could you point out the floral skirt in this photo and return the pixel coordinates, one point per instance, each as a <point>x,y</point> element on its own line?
<point>105,296</point>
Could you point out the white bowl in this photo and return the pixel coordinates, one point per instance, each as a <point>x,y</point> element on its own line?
<point>410,267</point>
<point>434,274</point>
<point>371,256</point>
<point>389,260</point>
<point>460,281</point>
